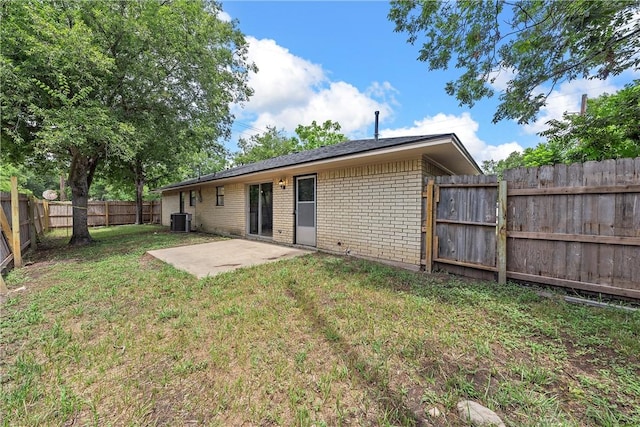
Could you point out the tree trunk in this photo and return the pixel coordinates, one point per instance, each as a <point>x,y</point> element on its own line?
<point>80,177</point>
<point>139,181</point>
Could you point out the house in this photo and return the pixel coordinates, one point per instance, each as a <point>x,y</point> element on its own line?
<point>362,197</point>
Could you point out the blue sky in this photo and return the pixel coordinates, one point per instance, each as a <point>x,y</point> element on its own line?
<point>342,61</point>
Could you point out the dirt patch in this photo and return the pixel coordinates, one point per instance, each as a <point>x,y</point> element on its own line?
<point>147,261</point>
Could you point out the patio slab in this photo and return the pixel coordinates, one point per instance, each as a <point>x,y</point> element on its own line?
<point>209,259</point>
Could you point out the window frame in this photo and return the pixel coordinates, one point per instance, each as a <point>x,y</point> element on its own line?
<point>220,195</point>
<point>192,198</point>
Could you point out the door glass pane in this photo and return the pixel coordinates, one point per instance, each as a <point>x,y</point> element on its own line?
<point>306,190</point>
<point>266,210</point>
<point>306,214</point>
<point>254,200</point>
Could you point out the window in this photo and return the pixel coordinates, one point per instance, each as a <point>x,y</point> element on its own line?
<point>192,198</point>
<point>181,202</point>
<point>220,196</point>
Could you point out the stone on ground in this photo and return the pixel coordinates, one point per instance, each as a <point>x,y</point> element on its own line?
<point>478,415</point>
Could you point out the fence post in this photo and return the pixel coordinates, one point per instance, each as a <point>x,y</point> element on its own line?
<point>429,230</point>
<point>40,221</point>
<point>3,286</point>
<point>15,223</point>
<point>45,212</point>
<point>31,210</point>
<point>502,233</point>
<point>6,228</point>
<point>106,213</point>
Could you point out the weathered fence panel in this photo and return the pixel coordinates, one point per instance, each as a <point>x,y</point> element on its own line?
<point>465,224</point>
<point>105,213</point>
<point>575,226</point>
<point>27,228</point>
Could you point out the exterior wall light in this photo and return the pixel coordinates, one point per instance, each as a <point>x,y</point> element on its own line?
<point>282,183</point>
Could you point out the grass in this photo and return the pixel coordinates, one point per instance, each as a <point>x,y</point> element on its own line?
<point>106,335</point>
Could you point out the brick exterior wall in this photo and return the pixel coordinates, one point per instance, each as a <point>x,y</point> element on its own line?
<point>372,211</point>
<point>227,219</point>
<point>429,169</point>
<point>170,204</point>
<point>283,207</point>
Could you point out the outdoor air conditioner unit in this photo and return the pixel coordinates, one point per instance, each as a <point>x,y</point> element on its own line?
<point>181,222</point>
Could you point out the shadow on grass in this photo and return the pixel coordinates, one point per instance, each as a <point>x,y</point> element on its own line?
<point>368,375</point>
<point>117,240</point>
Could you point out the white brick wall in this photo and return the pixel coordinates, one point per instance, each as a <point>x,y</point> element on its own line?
<point>227,219</point>
<point>170,204</point>
<point>372,211</point>
<point>283,208</point>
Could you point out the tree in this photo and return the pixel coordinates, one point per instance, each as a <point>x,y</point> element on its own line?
<point>492,167</point>
<point>50,111</point>
<point>609,129</point>
<point>274,142</point>
<point>541,42</point>
<point>271,143</point>
<point>315,135</point>
<point>133,86</point>
<point>177,71</point>
<point>29,181</point>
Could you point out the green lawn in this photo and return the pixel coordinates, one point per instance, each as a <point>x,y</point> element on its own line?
<point>107,335</point>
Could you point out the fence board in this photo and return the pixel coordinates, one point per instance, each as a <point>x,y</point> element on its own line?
<point>465,221</point>
<point>27,228</point>
<point>101,213</point>
<point>567,225</point>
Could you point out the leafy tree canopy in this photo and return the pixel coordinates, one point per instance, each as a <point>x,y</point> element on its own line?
<point>127,89</point>
<point>274,142</point>
<point>609,129</point>
<point>540,41</point>
<point>316,136</point>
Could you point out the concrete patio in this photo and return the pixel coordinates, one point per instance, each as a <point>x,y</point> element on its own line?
<point>209,259</point>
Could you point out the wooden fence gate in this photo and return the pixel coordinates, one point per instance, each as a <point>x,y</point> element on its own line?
<point>575,226</point>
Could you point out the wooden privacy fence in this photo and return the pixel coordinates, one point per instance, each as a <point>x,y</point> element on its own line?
<point>105,213</point>
<point>22,220</point>
<point>575,226</point>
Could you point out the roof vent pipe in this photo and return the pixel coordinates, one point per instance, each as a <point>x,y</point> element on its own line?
<point>376,129</point>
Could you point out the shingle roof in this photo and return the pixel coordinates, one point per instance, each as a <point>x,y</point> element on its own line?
<point>322,153</point>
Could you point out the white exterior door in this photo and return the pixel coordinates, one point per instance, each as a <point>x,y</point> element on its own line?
<point>306,210</point>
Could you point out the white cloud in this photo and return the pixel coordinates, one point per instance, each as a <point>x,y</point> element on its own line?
<point>224,16</point>
<point>289,90</point>
<point>283,79</point>
<point>500,79</point>
<point>464,127</point>
<point>567,98</point>
<point>339,102</point>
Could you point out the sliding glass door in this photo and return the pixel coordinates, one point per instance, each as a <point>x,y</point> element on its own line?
<point>261,209</point>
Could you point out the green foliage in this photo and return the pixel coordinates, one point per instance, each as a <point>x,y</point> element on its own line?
<point>29,181</point>
<point>609,129</point>
<point>274,142</point>
<point>127,90</point>
<point>315,135</point>
<point>492,167</point>
<point>541,42</point>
